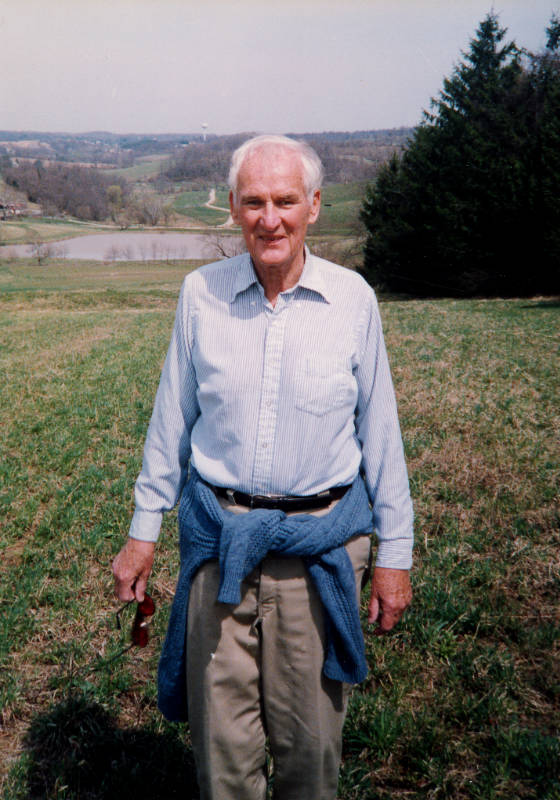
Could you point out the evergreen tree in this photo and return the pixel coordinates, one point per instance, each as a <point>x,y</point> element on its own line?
<point>544,158</point>
<point>454,215</point>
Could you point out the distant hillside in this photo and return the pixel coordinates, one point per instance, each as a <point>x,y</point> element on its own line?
<point>348,155</point>
<point>394,136</point>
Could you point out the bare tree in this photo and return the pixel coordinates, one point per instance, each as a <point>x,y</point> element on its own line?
<point>116,201</point>
<point>41,251</point>
<point>148,208</point>
<point>168,212</point>
<point>221,245</point>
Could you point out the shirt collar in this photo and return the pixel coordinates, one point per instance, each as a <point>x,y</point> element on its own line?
<point>311,278</point>
<point>244,276</point>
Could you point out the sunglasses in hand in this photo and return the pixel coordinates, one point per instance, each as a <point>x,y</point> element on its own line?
<point>144,612</point>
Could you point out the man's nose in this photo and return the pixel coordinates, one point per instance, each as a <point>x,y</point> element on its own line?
<point>270,216</point>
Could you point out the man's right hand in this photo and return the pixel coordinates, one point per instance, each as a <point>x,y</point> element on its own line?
<point>131,569</point>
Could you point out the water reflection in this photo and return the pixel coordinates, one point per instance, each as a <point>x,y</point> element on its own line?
<point>129,246</point>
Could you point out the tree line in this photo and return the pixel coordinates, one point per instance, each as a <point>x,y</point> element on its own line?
<point>346,157</point>
<point>202,163</point>
<point>473,204</point>
<point>87,193</point>
<point>63,188</point>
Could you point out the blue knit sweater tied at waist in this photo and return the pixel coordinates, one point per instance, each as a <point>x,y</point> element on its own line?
<point>240,542</point>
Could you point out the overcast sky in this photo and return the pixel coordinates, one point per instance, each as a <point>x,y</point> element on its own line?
<point>238,65</point>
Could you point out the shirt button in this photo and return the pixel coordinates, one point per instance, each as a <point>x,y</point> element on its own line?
<point>264,445</point>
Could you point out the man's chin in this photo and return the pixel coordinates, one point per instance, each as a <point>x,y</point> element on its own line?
<point>272,257</point>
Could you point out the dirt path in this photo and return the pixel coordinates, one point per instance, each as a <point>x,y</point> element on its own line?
<point>210,204</point>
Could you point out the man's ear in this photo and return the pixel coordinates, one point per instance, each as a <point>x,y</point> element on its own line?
<point>315,207</point>
<point>233,208</point>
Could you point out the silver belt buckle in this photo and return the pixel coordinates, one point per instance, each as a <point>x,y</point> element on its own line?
<point>230,493</point>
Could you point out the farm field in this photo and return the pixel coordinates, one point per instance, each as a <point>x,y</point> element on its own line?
<point>146,167</point>
<point>462,700</point>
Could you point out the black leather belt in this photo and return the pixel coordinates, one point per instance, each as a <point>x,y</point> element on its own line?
<point>288,502</point>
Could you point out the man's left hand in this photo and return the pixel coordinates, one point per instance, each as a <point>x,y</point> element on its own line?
<point>391,594</point>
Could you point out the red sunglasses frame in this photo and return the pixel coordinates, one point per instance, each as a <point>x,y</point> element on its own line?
<point>144,612</point>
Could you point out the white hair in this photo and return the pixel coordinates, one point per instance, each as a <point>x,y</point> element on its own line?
<point>313,171</point>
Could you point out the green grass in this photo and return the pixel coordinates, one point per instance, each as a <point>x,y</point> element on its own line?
<point>145,167</point>
<point>462,700</point>
<point>191,204</point>
<point>84,282</point>
<point>43,229</point>
<point>341,203</point>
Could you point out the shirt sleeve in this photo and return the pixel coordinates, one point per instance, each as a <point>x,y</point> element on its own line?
<point>379,434</point>
<point>167,447</point>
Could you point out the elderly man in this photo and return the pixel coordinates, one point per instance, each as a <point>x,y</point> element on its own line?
<point>276,390</point>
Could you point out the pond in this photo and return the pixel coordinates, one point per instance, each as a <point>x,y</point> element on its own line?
<point>130,246</point>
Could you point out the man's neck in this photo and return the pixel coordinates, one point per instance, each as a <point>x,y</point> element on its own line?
<point>276,280</point>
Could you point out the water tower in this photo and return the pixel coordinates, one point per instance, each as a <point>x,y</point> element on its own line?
<point>204,126</point>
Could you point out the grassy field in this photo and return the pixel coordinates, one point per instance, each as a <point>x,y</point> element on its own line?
<point>341,203</point>
<point>462,700</point>
<point>145,167</point>
<point>86,282</point>
<point>191,204</point>
<point>42,229</point>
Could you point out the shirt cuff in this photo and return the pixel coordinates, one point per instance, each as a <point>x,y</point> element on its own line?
<point>145,525</point>
<point>394,554</point>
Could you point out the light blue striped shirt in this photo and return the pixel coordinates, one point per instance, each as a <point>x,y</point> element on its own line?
<point>291,399</point>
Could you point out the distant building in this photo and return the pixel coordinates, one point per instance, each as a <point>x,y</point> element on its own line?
<point>8,209</point>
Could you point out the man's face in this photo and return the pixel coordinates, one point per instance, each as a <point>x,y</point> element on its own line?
<point>273,209</point>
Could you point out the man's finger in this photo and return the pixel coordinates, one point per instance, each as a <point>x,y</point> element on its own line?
<point>140,588</point>
<point>387,621</point>
<point>373,610</point>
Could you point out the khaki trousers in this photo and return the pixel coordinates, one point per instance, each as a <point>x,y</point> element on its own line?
<point>254,671</point>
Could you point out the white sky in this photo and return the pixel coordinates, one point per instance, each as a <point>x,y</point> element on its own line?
<point>239,65</point>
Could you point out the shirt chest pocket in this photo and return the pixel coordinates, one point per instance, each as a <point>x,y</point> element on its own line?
<point>325,385</point>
